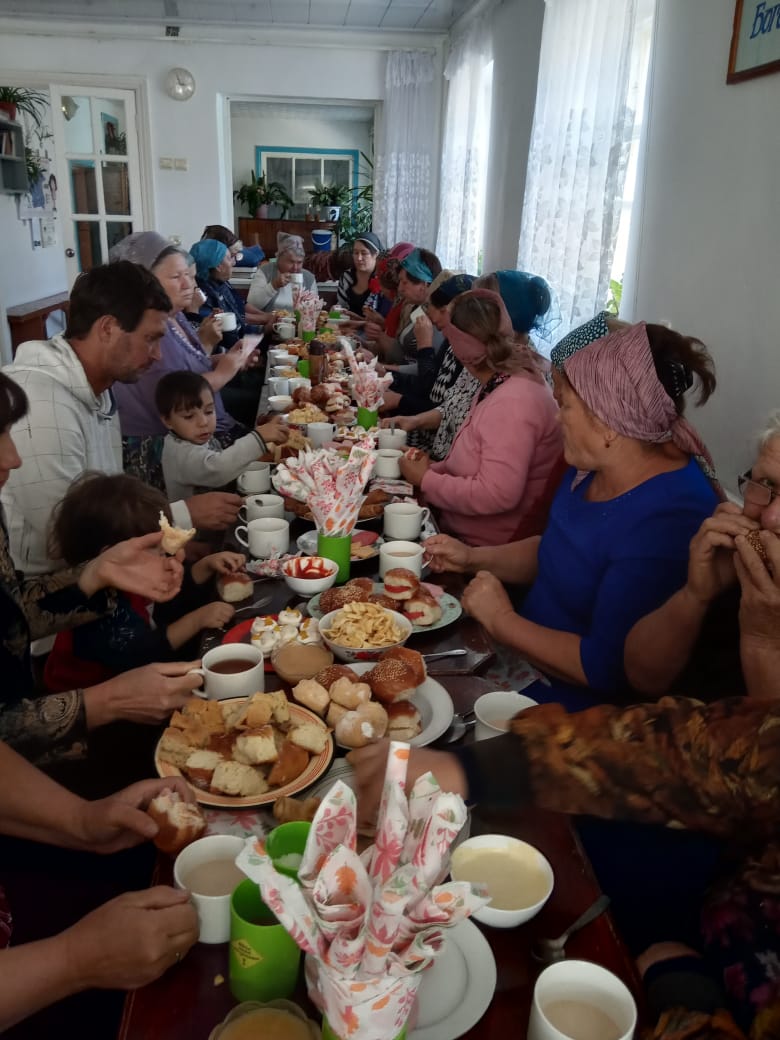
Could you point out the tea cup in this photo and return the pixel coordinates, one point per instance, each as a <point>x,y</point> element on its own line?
<point>392,439</point>
<point>257,506</point>
<point>219,683</point>
<point>267,536</point>
<point>319,433</point>
<point>255,479</point>
<point>401,554</point>
<point>279,387</point>
<point>404,520</point>
<point>226,321</point>
<point>213,910</point>
<point>284,330</point>
<point>578,998</point>
<point>387,463</point>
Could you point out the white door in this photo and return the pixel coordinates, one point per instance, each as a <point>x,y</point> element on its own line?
<point>98,194</point>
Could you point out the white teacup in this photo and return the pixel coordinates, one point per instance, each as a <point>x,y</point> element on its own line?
<point>245,678</point>
<point>319,433</point>
<point>392,439</point>
<point>213,911</point>
<point>257,506</point>
<point>296,278</point>
<point>404,520</point>
<point>255,479</point>
<point>296,384</point>
<point>386,465</point>
<point>227,321</point>
<point>494,710</point>
<point>284,330</point>
<point>581,1000</point>
<point>279,387</point>
<point>267,536</point>
<point>401,554</point>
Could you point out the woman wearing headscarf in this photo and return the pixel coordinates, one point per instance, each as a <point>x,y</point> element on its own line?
<point>271,289</point>
<point>616,544</point>
<point>214,262</point>
<point>142,429</point>
<point>388,267</point>
<point>510,442</point>
<point>417,273</point>
<point>358,286</point>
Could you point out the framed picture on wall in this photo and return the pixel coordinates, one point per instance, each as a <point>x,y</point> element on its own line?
<point>755,40</point>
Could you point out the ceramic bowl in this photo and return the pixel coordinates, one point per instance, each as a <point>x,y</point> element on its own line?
<point>308,586</point>
<point>350,654</point>
<point>278,402</point>
<point>247,1020</point>
<point>533,865</point>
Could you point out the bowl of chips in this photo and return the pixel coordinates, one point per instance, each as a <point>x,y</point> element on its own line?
<point>363,631</point>
<point>308,575</point>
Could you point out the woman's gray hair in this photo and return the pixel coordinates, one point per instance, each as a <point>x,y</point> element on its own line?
<point>770,431</point>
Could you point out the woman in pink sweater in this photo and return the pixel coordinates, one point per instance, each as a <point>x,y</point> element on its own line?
<point>501,466</point>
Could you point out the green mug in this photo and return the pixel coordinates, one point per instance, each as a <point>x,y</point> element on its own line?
<point>338,549</point>
<point>286,844</point>
<point>367,418</point>
<point>263,960</point>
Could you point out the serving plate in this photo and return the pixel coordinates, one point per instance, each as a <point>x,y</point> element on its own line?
<point>318,765</point>
<point>307,543</point>
<point>451,610</point>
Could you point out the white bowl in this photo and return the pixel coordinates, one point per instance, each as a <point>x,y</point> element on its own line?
<point>279,402</point>
<point>350,653</point>
<point>309,586</point>
<point>494,710</point>
<point>537,866</point>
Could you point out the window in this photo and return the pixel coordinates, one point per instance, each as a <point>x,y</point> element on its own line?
<point>299,169</point>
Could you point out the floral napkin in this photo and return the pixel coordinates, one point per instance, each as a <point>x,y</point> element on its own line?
<point>368,387</point>
<point>308,304</point>
<point>371,923</point>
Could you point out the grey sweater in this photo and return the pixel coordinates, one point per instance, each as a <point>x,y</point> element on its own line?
<point>189,467</point>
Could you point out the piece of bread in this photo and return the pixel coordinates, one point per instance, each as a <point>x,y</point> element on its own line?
<point>333,672</point>
<point>391,680</point>
<point>422,608</point>
<point>173,538</point>
<point>754,541</point>
<point>257,746</point>
<point>335,712</point>
<point>335,599</point>
<point>310,694</point>
<point>196,733</point>
<point>238,780</point>
<point>366,584</point>
<point>403,721</point>
<point>290,810</point>
<point>179,822</point>
<point>259,710</point>
<point>383,601</point>
<point>310,736</point>
<point>207,712</point>
<point>415,660</point>
<point>280,706</point>
<point>234,715</point>
<point>199,767</point>
<point>289,765</point>
<point>349,694</point>
<point>401,583</point>
<point>235,587</point>
<point>174,748</point>
<point>362,726</point>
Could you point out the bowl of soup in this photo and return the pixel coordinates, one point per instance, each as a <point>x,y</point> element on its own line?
<point>518,878</point>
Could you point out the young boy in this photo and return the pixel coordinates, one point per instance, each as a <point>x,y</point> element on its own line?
<point>192,458</point>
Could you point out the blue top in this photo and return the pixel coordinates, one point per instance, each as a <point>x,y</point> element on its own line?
<point>604,565</point>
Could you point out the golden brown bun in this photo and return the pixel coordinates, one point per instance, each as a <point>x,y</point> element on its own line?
<point>422,608</point>
<point>754,541</point>
<point>290,764</point>
<point>335,599</point>
<point>362,726</point>
<point>391,680</point>
<point>383,601</point>
<point>401,583</point>
<point>319,395</point>
<point>349,694</point>
<point>301,395</point>
<point>329,675</point>
<point>403,721</point>
<point>180,822</point>
<point>311,694</point>
<point>410,657</point>
<point>366,584</point>
<point>290,810</point>
<point>377,498</point>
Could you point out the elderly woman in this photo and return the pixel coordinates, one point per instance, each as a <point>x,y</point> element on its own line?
<point>271,288</point>
<point>358,286</point>
<point>142,429</point>
<point>503,455</point>
<point>616,545</point>
<point>214,262</point>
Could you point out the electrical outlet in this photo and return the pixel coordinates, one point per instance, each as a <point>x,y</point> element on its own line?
<point>166,163</point>
<point>181,164</point>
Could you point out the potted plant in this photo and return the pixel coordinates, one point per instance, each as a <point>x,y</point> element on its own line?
<point>33,102</point>
<point>329,198</point>
<point>259,194</point>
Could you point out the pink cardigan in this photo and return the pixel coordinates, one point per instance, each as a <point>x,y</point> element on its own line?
<point>499,463</point>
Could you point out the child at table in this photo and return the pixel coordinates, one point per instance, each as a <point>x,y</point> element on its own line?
<point>192,458</point>
<point>98,511</point>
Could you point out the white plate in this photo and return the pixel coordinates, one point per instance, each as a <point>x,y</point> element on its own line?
<point>457,989</point>
<point>433,703</point>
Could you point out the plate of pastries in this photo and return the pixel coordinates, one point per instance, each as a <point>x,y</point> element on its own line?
<point>427,606</point>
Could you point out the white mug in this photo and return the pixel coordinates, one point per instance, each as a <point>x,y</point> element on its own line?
<point>284,330</point>
<point>494,710</point>
<point>213,911</point>
<point>319,433</point>
<point>257,506</point>
<point>227,321</point>
<point>255,479</point>
<point>392,439</point>
<point>404,519</point>
<point>218,686</point>
<point>267,536</point>
<point>386,465</point>
<point>401,554</point>
<point>276,354</point>
<point>296,384</point>
<point>581,1000</point>
<point>296,278</point>
<point>279,387</point>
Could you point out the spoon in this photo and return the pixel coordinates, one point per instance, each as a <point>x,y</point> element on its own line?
<point>457,728</point>
<point>253,606</point>
<point>444,653</point>
<point>550,950</point>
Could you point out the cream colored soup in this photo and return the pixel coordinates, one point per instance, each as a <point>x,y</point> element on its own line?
<point>512,874</point>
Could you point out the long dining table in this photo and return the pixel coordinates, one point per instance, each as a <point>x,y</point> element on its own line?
<point>194,996</point>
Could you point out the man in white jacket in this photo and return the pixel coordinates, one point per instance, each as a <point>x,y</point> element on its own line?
<point>117,318</point>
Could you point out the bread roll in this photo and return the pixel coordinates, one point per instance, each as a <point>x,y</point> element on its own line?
<point>310,736</point>
<point>289,765</point>
<point>235,587</point>
<point>383,601</point>
<point>422,608</point>
<point>173,538</point>
<point>179,822</point>
<point>349,694</point>
<point>290,810</point>
<point>391,680</point>
<point>362,726</point>
<point>403,721</point>
<point>310,694</point>
<point>401,583</point>
<point>366,584</point>
<point>335,712</point>
<point>335,599</point>
<point>333,672</point>
<point>414,659</point>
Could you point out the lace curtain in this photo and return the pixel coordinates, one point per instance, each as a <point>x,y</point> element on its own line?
<point>406,154</point>
<point>584,122</point>
<point>464,161</point>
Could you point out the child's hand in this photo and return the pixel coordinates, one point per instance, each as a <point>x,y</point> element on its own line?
<point>215,615</point>
<point>275,431</point>
<point>225,562</point>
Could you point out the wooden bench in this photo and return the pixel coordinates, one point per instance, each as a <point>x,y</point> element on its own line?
<point>28,320</point>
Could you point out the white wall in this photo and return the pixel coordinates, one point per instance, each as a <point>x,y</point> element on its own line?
<point>710,228</point>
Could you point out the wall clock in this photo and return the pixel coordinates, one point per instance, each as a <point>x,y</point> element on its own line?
<point>180,84</point>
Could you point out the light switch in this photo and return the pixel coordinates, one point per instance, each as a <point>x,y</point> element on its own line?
<point>166,163</point>
<point>181,164</point>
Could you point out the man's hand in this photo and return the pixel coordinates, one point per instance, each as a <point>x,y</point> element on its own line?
<point>711,559</point>
<point>447,554</point>
<point>274,432</point>
<point>486,600</point>
<point>214,510</point>
<point>120,821</point>
<point>134,566</point>
<point>147,695</point>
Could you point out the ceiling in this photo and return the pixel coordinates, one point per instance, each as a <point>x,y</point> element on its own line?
<point>431,15</point>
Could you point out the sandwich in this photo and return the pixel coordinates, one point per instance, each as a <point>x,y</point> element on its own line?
<point>401,583</point>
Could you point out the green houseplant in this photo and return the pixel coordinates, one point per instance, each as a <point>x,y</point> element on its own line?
<point>330,197</point>
<point>22,99</point>
<point>259,194</point>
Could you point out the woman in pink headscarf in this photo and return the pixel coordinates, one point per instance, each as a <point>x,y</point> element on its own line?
<point>500,462</point>
<point>616,543</point>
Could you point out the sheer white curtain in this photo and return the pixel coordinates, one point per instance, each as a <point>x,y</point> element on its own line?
<point>464,161</point>
<point>584,123</point>
<point>406,153</point>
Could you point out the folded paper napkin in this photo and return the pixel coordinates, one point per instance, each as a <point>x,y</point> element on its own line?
<point>333,487</point>
<point>308,304</point>
<point>368,387</point>
<point>271,568</point>
<point>371,923</point>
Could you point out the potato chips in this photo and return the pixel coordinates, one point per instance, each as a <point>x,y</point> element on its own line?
<point>364,626</point>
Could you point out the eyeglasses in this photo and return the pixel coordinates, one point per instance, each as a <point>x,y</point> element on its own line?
<point>754,492</point>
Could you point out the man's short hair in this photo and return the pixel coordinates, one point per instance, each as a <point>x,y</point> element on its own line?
<point>122,289</point>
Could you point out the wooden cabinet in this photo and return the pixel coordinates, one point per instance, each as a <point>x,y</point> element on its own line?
<point>13,169</point>
<point>253,232</point>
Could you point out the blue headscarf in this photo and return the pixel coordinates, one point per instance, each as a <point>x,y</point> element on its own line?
<point>417,267</point>
<point>208,253</point>
<point>529,301</point>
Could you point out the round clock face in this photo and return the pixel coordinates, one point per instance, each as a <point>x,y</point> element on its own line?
<point>180,84</point>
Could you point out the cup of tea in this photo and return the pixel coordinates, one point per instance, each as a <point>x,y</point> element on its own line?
<point>263,959</point>
<point>227,321</point>
<point>267,536</point>
<point>319,433</point>
<point>284,330</point>
<point>255,479</point>
<point>207,870</point>
<point>257,506</point>
<point>234,670</point>
<point>404,520</point>
<point>392,439</point>
<point>580,1000</point>
<point>296,278</point>
<point>279,387</point>
<point>387,463</point>
<point>298,382</point>
<point>401,554</point>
